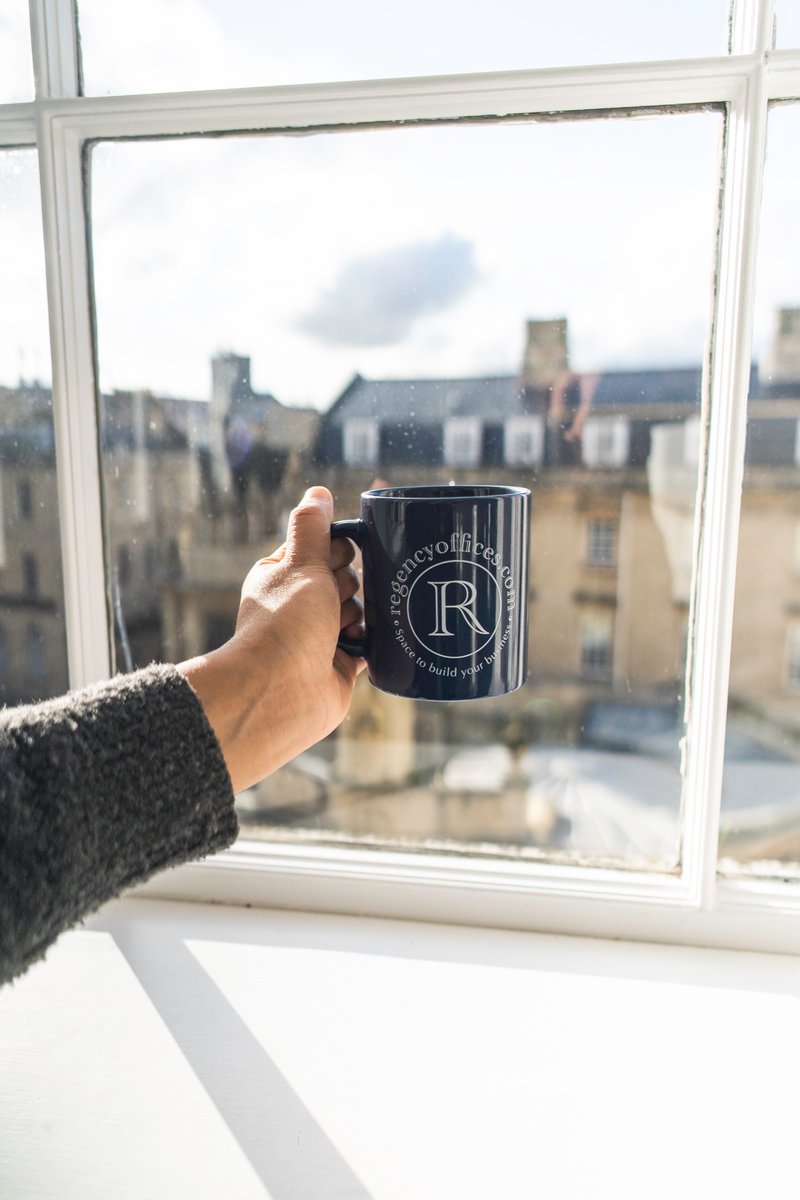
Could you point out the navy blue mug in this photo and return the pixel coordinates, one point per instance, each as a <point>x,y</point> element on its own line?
<point>445,589</point>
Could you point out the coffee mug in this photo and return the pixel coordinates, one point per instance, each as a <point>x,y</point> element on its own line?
<point>445,589</point>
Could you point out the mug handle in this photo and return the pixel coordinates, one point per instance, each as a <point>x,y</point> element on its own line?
<point>355,530</point>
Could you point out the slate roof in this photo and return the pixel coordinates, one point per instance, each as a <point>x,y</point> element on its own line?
<point>672,386</point>
<point>430,401</point>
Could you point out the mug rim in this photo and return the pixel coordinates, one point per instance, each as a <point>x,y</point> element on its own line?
<point>471,492</point>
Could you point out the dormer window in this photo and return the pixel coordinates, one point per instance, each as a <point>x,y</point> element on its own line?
<point>361,442</point>
<point>605,442</point>
<point>462,442</point>
<point>523,441</point>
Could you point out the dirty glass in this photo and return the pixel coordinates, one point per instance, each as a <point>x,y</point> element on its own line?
<point>524,304</point>
<point>761,792</point>
<point>33,660</point>
<point>172,45</point>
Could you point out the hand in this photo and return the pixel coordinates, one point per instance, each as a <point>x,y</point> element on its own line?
<point>280,684</point>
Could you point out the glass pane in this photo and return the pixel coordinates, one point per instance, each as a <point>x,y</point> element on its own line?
<point>521,301</point>
<point>249,43</point>
<point>761,797</point>
<point>33,659</point>
<point>16,68</point>
<point>787,24</point>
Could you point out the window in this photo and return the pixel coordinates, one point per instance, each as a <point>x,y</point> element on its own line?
<point>596,646</point>
<point>361,443</point>
<point>793,659</point>
<point>605,442</point>
<point>497,325</point>
<point>524,441</point>
<point>37,660</point>
<point>30,575</point>
<point>691,442</point>
<point>601,543</point>
<point>124,566</point>
<point>25,499</point>
<point>462,442</point>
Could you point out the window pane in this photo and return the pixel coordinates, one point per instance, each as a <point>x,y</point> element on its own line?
<point>761,797</point>
<point>33,660</point>
<point>787,24</point>
<point>511,298</point>
<point>16,68</point>
<point>248,43</point>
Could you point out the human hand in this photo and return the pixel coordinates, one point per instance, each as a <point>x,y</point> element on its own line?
<point>280,684</point>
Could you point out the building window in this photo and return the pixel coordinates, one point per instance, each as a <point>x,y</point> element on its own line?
<point>601,543</point>
<point>150,561</point>
<point>462,441</point>
<point>793,660</point>
<point>361,443</point>
<point>596,640</point>
<point>605,442</point>
<point>25,500</point>
<point>37,665</point>
<point>691,442</point>
<point>124,566</point>
<point>524,441</point>
<point>30,575</point>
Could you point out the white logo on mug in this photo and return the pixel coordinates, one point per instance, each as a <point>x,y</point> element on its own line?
<point>465,606</point>
<point>454,608</point>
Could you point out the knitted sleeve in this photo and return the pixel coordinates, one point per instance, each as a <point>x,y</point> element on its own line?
<point>98,790</point>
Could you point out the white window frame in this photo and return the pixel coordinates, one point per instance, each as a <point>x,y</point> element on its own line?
<point>693,906</point>
<point>523,426</point>
<point>460,432</point>
<point>606,441</point>
<point>354,431</point>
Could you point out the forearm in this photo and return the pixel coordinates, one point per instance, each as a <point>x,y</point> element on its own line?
<point>98,790</point>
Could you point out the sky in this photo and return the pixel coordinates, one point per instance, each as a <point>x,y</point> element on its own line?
<point>394,253</point>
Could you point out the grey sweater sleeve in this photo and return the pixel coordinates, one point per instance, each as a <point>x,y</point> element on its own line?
<point>98,790</point>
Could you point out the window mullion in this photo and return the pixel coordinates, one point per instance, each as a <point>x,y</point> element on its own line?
<point>74,406</point>
<point>719,500</point>
<point>751,26</point>
<point>54,42</point>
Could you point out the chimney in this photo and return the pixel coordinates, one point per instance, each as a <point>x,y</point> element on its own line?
<point>546,355</point>
<point>230,382</point>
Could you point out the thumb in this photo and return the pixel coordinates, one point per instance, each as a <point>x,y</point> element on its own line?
<point>308,538</point>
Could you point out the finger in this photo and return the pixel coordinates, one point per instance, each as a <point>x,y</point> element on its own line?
<point>342,553</point>
<point>308,538</point>
<point>347,582</point>
<point>348,668</point>
<point>353,614</point>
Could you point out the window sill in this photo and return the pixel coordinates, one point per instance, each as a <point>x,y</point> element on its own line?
<point>300,1056</point>
<point>750,914</point>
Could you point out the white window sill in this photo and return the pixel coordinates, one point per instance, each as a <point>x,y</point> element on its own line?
<point>748,913</point>
<point>176,1049</point>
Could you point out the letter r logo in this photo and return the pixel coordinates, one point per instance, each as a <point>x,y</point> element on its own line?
<point>463,601</point>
